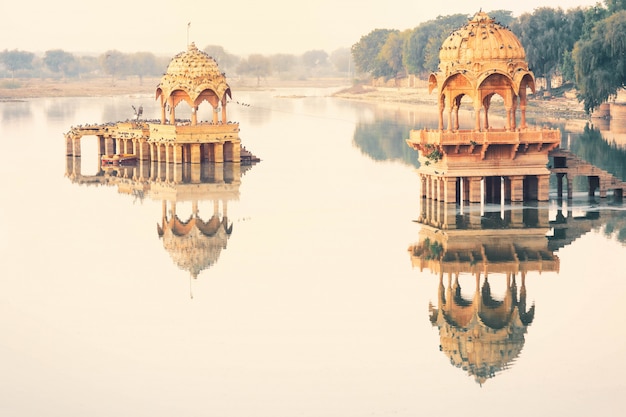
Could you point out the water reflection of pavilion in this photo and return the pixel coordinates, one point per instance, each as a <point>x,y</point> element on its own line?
<point>483,334</point>
<point>195,243</point>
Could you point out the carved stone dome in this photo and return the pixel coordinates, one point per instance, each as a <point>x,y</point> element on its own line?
<point>193,72</point>
<point>481,40</point>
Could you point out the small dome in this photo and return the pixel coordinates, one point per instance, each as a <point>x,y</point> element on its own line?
<point>193,72</point>
<point>193,63</point>
<point>481,40</point>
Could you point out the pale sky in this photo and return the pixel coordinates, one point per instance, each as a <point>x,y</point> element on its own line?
<point>240,26</point>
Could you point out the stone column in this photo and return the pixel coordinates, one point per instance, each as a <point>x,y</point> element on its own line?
<point>177,154</point>
<point>218,149</point>
<point>474,189</point>
<point>449,184</point>
<point>543,187</point>
<point>196,157</point>
<point>76,146</point>
<point>517,188</point>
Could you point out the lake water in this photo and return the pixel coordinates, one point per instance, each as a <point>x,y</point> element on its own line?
<point>305,299</point>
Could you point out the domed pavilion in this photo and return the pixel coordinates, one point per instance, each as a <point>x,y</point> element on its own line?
<point>478,62</point>
<point>192,78</point>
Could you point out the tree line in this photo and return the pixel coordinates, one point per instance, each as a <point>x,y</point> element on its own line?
<point>57,63</point>
<point>585,46</point>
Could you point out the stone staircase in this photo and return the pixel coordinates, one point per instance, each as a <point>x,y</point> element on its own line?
<point>571,165</point>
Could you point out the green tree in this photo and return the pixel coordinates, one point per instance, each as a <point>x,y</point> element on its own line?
<point>393,50</point>
<point>600,61</point>
<point>615,5</point>
<point>366,53</point>
<point>256,65</point>
<point>545,35</point>
<point>16,60</point>
<point>421,48</point>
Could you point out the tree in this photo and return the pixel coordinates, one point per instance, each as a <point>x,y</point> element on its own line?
<point>142,64</point>
<point>366,53</point>
<point>340,58</point>
<point>393,50</point>
<point>545,36</point>
<point>421,51</point>
<point>57,60</point>
<point>114,63</point>
<point>16,60</point>
<point>225,60</point>
<point>600,61</point>
<point>256,65</point>
<point>282,62</point>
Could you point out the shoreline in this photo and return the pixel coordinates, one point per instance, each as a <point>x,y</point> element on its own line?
<point>564,107</point>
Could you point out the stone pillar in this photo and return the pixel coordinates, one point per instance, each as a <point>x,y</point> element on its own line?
<point>422,184</point>
<point>109,146</point>
<point>76,146</point>
<point>224,118</point>
<point>177,154</point>
<point>570,187</point>
<point>449,185</point>
<point>215,119</point>
<point>474,189</point>
<point>218,150</point>
<point>517,188</point>
<point>236,152</point>
<point>559,185</point>
<point>543,187</point>
<point>196,157</point>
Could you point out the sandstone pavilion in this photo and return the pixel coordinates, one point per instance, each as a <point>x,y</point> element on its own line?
<point>480,162</point>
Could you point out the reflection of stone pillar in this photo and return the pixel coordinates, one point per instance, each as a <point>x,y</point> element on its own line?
<point>219,173</point>
<point>196,171</point>
<point>474,189</point>
<point>570,187</point>
<point>517,216</point>
<point>474,216</point>
<point>543,187</point>
<point>517,187</point>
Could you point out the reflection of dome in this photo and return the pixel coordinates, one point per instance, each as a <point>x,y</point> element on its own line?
<point>193,72</point>
<point>482,39</point>
<point>195,245</point>
<point>482,336</point>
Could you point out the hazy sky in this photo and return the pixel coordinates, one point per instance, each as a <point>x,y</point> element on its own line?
<point>240,26</point>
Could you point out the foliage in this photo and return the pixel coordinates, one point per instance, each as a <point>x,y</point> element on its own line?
<point>600,61</point>
<point>256,65</point>
<point>366,53</point>
<point>226,61</point>
<point>340,58</point>
<point>57,60</point>
<point>16,60</point>
<point>384,140</point>
<point>545,36</point>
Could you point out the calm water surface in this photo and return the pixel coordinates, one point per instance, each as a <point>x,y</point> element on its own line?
<point>300,298</point>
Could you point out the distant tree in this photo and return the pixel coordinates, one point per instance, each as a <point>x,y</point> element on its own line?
<point>615,5</point>
<point>282,63</point>
<point>226,61</point>
<point>17,60</point>
<point>600,61</point>
<point>114,63</point>
<point>421,50</point>
<point>393,50</point>
<point>58,60</point>
<point>366,53</point>
<point>504,17</point>
<point>340,58</point>
<point>256,65</point>
<point>142,64</point>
